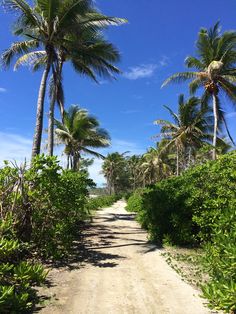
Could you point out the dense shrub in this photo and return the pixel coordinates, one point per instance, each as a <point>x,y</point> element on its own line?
<point>40,210</point>
<point>199,207</point>
<point>58,202</point>
<point>134,201</point>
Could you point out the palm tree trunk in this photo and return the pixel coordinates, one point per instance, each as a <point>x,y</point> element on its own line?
<point>177,162</point>
<point>51,125</point>
<point>109,187</point>
<point>40,110</point>
<point>57,77</point>
<point>71,162</point>
<point>215,126</point>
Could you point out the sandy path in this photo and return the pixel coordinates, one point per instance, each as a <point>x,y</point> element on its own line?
<point>122,274</point>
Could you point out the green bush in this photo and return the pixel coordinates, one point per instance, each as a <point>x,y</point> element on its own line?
<point>102,201</point>
<point>58,202</point>
<point>47,201</point>
<point>199,207</point>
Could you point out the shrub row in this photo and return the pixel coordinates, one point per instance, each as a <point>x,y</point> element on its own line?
<point>102,201</point>
<point>199,207</point>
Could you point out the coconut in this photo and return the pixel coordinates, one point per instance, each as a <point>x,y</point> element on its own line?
<point>214,68</point>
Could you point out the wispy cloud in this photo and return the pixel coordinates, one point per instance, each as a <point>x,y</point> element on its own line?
<point>140,71</point>
<point>145,70</point>
<point>231,115</point>
<point>14,147</point>
<point>131,111</point>
<point>164,61</point>
<point>2,90</point>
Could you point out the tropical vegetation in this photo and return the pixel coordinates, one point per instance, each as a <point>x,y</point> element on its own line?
<point>195,209</point>
<point>214,72</point>
<point>173,187</point>
<point>55,32</point>
<point>80,132</point>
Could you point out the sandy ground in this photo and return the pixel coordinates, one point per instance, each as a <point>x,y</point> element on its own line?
<point>117,271</point>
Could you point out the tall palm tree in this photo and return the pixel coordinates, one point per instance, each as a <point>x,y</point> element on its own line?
<point>91,56</point>
<point>47,25</point>
<point>80,133</point>
<point>214,70</point>
<point>190,128</point>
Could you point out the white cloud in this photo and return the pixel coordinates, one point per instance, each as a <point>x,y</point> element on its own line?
<point>141,71</point>
<point>231,115</point>
<point>14,147</point>
<point>95,172</point>
<point>146,70</point>
<point>131,111</point>
<point>2,90</point>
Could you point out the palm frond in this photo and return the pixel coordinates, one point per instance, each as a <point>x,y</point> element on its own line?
<point>29,59</point>
<point>17,49</point>
<point>22,8</point>
<point>193,62</point>
<point>180,77</point>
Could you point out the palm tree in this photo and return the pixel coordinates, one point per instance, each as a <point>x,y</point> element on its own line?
<point>214,70</point>
<point>114,170</point>
<point>90,55</point>
<point>153,167</point>
<point>47,25</point>
<point>135,175</point>
<point>190,129</point>
<point>80,133</point>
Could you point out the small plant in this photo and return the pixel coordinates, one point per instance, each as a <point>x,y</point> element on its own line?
<point>17,276</point>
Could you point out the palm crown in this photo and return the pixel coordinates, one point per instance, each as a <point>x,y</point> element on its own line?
<point>215,71</point>
<point>80,132</point>
<point>190,128</point>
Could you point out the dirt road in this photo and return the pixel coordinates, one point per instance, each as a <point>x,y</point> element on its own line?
<point>120,273</point>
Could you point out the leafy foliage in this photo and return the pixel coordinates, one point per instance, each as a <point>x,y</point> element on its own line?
<point>196,208</point>
<point>17,276</point>
<point>102,201</point>
<point>41,209</point>
<point>80,132</point>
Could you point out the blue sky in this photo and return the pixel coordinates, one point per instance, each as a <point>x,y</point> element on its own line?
<point>154,44</point>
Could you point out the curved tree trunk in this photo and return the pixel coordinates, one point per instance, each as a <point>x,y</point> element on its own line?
<point>52,110</point>
<point>215,126</point>
<point>40,110</point>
